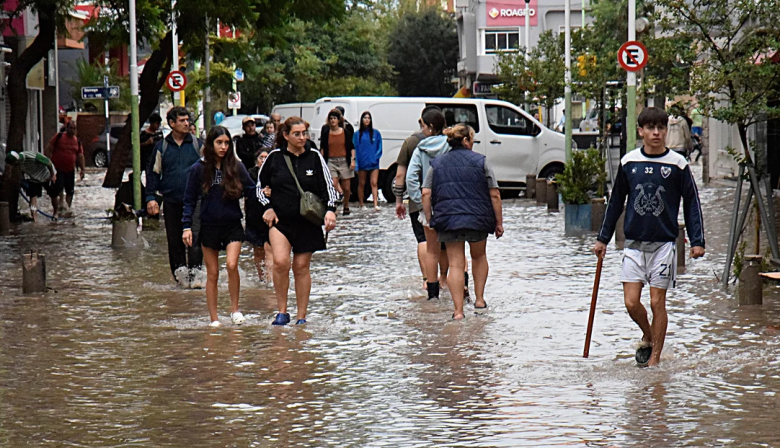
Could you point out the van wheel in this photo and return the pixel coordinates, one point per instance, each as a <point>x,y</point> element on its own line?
<point>100,158</point>
<point>550,171</point>
<point>387,184</point>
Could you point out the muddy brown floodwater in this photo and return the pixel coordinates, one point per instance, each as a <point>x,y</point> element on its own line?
<point>118,356</point>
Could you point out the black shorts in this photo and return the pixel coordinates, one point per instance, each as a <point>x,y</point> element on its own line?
<point>217,237</point>
<point>303,236</point>
<point>256,233</point>
<point>35,189</point>
<point>417,227</point>
<point>65,181</point>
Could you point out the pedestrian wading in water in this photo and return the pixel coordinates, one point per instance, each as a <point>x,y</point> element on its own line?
<point>368,151</point>
<point>462,203</point>
<point>654,179</point>
<point>219,180</point>
<point>434,145</point>
<point>339,152</point>
<point>287,170</point>
<point>256,228</point>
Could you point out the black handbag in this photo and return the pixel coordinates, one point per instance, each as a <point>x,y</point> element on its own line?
<point>312,208</point>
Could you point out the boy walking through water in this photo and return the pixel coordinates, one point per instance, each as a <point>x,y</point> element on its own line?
<point>654,178</point>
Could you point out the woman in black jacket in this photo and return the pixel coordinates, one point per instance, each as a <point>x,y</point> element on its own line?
<point>289,230</point>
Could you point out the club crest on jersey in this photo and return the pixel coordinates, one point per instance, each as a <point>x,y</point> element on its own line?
<point>310,172</point>
<point>649,200</point>
<point>666,171</point>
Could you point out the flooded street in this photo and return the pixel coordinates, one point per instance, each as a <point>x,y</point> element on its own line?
<point>119,356</point>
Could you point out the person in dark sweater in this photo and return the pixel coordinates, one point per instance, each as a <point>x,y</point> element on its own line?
<point>654,179</point>
<point>219,180</point>
<point>256,230</point>
<point>248,144</point>
<point>462,202</point>
<point>289,230</point>
<point>166,178</point>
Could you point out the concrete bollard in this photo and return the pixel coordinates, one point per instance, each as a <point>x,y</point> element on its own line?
<point>5,219</point>
<point>124,234</point>
<point>598,208</point>
<point>541,191</point>
<point>552,196</point>
<point>33,273</point>
<point>620,234</point>
<point>751,288</point>
<point>530,186</point>
<point>680,248</point>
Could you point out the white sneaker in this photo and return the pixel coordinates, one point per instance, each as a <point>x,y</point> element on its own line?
<point>377,208</point>
<point>215,324</point>
<point>182,276</point>
<point>238,318</point>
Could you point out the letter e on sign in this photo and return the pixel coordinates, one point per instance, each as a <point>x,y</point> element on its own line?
<point>176,81</point>
<point>632,56</point>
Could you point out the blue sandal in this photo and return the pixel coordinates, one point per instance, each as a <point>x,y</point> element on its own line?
<point>281,319</point>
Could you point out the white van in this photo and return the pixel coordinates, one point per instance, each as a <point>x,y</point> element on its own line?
<point>303,110</point>
<point>514,142</point>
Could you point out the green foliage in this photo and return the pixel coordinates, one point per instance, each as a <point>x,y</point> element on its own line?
<point>92,75</point>
<point>423,48</point>
<point>733,41</point>
<point>739,259</point>
<point>539,72</point>
<point>583,177</point>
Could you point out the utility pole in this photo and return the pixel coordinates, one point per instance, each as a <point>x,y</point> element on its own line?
<point>134,118</point>
<point>631,83</point>
<point>527,19</point>
<point>567,80</point>
<point>177,97</point>
<point>207,92</point>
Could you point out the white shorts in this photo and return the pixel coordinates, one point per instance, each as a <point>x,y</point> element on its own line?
<point>657,268</point>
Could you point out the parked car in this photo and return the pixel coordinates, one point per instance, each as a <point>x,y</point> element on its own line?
<point>513,141</point>
<point>100,156</point>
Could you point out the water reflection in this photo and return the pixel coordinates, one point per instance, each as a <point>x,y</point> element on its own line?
<point>120,356</point>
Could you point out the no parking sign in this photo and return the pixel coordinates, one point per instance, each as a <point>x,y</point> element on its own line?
<point>632,56</point>
<point>176,81</point>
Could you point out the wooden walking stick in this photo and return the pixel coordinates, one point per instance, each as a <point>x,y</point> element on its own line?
<point>596,282</point>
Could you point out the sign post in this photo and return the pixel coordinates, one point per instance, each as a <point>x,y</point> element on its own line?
<point>631,83</point>
<point>176,81</point>
<point>567,79</point>
<point>108,119</point>
<point>632,56</point>
<point>234,101</point>
<point>134,118</point>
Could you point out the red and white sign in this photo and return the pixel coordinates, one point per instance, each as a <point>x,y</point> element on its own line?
<point>510,12</point>
<point>176,81</point>
<point>632,56</point>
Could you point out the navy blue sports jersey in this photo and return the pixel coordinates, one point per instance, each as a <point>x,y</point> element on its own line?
<point>654,185</point>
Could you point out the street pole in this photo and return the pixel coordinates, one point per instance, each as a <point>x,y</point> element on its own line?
<point>176,95</point>
<point>235,86</point>
<point>631,83</point>
<point>57,78</point>
<point>527,19</point>
<point>105,104</point>
<point>134,118</point>
<point>207,93</point>
<point>567,111</point>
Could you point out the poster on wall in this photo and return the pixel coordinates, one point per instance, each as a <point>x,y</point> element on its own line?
<point>510,12</point>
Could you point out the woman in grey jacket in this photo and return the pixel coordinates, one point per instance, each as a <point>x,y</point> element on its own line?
<point>433,145</point>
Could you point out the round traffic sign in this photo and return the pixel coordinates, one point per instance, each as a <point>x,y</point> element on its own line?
<point>176,81</point>
<point>632,56</point>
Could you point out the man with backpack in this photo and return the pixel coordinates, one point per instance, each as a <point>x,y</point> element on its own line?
<point>166,179</point>
<point>65,150</point>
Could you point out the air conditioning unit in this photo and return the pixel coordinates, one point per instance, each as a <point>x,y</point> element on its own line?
<point>461,3</point>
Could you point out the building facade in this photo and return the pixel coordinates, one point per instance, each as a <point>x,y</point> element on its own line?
<point>487,28</point>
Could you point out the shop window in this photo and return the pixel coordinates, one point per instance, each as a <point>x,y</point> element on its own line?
<point>498,41</point>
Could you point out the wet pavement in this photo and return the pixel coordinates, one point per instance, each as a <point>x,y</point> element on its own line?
<point>119,356</point>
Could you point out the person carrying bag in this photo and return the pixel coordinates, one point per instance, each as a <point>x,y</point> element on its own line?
<point>312,207</point>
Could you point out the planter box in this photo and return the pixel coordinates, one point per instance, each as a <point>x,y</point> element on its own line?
<point>577,219</point>
<point>124,234</point>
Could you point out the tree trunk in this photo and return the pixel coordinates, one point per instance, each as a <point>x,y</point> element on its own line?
<point>151,81</point>
<point>17,98</point>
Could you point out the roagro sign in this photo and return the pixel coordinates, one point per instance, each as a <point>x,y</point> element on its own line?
<point>510,13</point>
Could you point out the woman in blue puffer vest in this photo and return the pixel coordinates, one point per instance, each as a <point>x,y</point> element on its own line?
<point>461,201</point>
